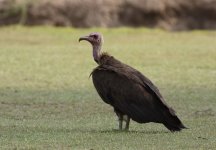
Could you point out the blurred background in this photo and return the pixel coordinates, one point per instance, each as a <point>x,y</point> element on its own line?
<point>166,14</point>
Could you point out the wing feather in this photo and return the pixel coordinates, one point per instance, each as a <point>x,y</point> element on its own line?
<point>129,95</point>
<point>137,77</point>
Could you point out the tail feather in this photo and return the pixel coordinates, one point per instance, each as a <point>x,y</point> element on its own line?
<point>174,128</point>
<point>173,123</point>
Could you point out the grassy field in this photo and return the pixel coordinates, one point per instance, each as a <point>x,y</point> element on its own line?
<point>47,100</point>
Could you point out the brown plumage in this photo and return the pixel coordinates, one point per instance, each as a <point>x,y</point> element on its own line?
<point>130,93</point>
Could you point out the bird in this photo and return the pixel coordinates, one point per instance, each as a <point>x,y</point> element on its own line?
<point>128,91</point>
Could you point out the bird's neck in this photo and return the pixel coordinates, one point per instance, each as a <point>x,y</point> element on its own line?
<point>96,52</point>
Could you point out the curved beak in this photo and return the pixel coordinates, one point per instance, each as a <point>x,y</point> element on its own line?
<point>84,38</point>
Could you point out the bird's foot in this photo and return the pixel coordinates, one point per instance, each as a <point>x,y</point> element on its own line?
<point>120,130</point>
<point>126,129</point>
<point>117,130</point>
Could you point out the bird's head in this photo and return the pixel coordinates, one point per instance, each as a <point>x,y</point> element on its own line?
<point>95,39</point>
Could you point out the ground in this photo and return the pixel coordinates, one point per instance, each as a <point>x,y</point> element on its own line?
<point>47,100</point>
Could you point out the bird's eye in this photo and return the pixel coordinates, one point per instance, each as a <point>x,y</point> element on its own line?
<point>95,36</point>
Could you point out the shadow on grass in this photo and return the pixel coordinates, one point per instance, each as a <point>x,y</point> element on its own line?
<point>110,131</point>
<point>134,131</point>
<point>41,129</point>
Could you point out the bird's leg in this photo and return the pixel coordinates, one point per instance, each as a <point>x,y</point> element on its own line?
<point>120,118</point>
<point>127,123</point>
<point>120,121</point>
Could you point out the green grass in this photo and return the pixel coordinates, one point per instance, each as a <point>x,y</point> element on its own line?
<point>47,100</point>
